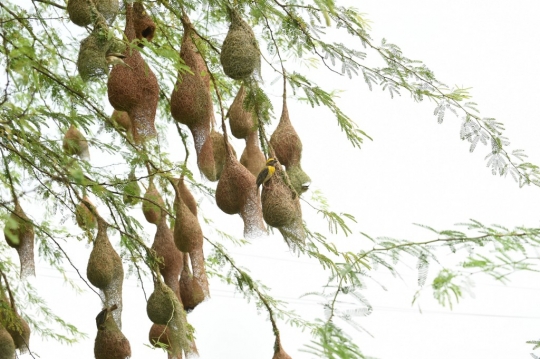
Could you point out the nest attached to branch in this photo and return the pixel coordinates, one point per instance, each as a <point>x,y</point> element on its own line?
<point>193,286</point>
<point>240,55</point>
<point>85,218</point>
<point>252,158</point>
<point>240,121</point>
<point>171,262</point>
<point>152,204</point>
<point>134,88</point>
<point>187,230</point>
<point>15,325</point>
<point>91,61</point>
<point>19,234</point>
<point>80,11</point>
<point>143,23</point>
<point>74,143</point>
<point>7,346</point>
<point>110,341</point>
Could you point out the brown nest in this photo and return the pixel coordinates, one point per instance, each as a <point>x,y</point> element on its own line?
<point>252,158</point>
<point>110,341</point>
<point>121,119</point>
<point>187,196</point>
<point>143,23</point>
<point>240,121</point>
<point>299,179</point>
<point>75,143</point>
<point>279,353</point>
<point>134,88</point>
<point>19,234</point>
<point>80,12</point>
<point>171,259</point>
<point>187,230</point>
<point>132,191</point>
<point>7,346</point>
<point>85,218</point>
<point>220,151</point>
<point>152,204</point>
<point>236,192</point>
<point>285,141</point>
<point>91,61</point>
<point>20,332</point>
<point>190,288</point>
<point>240,55</point>
<point>161,304</point>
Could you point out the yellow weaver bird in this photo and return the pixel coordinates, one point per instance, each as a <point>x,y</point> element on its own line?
<point>267,171</point>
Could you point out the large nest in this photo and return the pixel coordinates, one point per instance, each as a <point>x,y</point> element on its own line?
<point>143,23</point>
<point>252,158</point>
<point>279,353</point>
<point>152,204</point>
<point>171,259</point>
<point>236,192</point>
<point>134,88</point>
<point>281,208</point>
<point>84,216</point>
<point>105,271</point>
<point>16,326</point>
<point>240,121</point>
<point>159,335</point>
<point>19,234</point>
<point>110,341</point>
<point>74,143</point>
<point>240,54</point>
<point>81,13</point>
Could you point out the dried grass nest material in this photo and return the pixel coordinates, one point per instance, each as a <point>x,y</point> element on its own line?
<point>240,55</point>
<point>191,291</point>
<point>104,264</point>
<point>279,353</point>
<point>134,88</point>
<point>110,342</point>
<point>91,61</point>
<point>252,157</point>
<point>236,192</point>
<point>121,119</point>
<point>186,195</point>
<point>143,23</point>
<point>80,12</point>
<point>20,332</point>
<point>205,154</point>
<point>220,151</point>
<point>187,230</point>
<point>240,121</point>
<point>159,336</point>
<point>152,204</point>
<point>74,143</point>
<point>19,234</point>
<point>171,259</point>
<point>132,191</point>
<point>85,218</point>
<point>285,141</point>
<point>7,346</point>
<point>299,179</point>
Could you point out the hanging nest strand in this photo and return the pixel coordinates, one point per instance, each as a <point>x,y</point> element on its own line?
<point>85,218</point>
<point>152,204</point>
<point>143,23</point>
<point>240,55</point>
<point>134,88</point>
<point>240,121</point>
<point>171,262</point>
<point>110,341</point>
<point>252,158</point>
<point>105,271</point>
<point>80,11</point>
<point>281,209</point>
<point>19,234</point>
<point>191,102</point>
<point>74,143</point>
<point>236,192</point>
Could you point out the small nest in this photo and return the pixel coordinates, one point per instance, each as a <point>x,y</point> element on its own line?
<point>20,332</point>
<point>160,305</point>
<point>252,158</point>
<point>159,336</point>
<point>86,219</point>
<point>281,208</point>
<point>7,346</point>
<point>220,152</point>
<point>121,120</point>
<point>191,291</point>
<point>143,23</point>
<point>186,196</point>
<point>75,143</point>
<point>205,156</point>
<point>299,179</point>
<point>80,12</point>
<point>171,259</point>
<point>187,230</point>
<point>236,192</point>
<point>240,121</point>
<point>134,88</point>
<point>285,141</point>
<point>279,353</point>
<point>240,55</point>
<point>152,204</point>
<point>110,341</point>
<point>132,191</point>
<point>91,61</point>
<point>19,234</point>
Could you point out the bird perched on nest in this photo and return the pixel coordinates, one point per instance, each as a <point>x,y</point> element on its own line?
<point>267,172</point>
<point>103,316</point>
<point>114,58</point>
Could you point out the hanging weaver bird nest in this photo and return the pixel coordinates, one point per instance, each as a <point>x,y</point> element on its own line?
<point>105,271</point>
<point>132,191</point>
<point>110,341</point>
<point>240,121</point>
<point>252,158</point>
<point>240,55</point>
<point>186,196</point>
<point>285,141</point>
<point>281,208</point>
<point>220,152</point>
<point>75,143</point>
<point>279,353</point>
<point>236,192</point>
<point>205,155</point>
<point>91,61</point>
<point>152,204</point>
<point>187,230</point>
<point>190,289</point>
<point>81,13</point>
<point>121,120</point>
<point>160,305</point>
<point>19,234</point>
<point>171,259</point>
<point>133,87</point>
<point>86,219</point>
<point>7,346</point>
<point>159,336</point>
<point>20,333</point>
<point>299,179</point>
<point>143,23</point>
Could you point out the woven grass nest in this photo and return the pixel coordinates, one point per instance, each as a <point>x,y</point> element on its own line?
<point>220,151</point>
<point>91,61</point>
<point>110,341</point>
<point>252,157</point>
<point>240,55</point>
<point>134,88</point>
<point>240,121</point>
<point>131,190</point>
<point>121,120</point>
<point>7,346</point>
<point>104,263</point>
<point>191,288</point>
<point>152,204</point>
<point>80,11</point>
<point>85,218</point>
<point>74,143</point>
<point>143,23</point>
<point>236,193</point>
<point>171,258</point>
<point>186,195</point>
<point>20,333</point>
<point>187,230</point>
<point>159,336</point>
<point>19,234</point>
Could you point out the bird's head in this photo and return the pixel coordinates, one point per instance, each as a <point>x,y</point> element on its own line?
<point>271,161</point>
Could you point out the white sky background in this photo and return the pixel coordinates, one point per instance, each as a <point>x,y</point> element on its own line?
<point>414,171</point>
